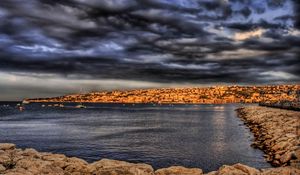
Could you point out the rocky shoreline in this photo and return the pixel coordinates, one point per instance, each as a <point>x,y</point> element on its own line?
<point>274,129</point>
<point>276,132</point>
<point>14,161</point>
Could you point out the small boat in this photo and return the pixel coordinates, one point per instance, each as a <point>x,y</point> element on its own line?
<point>43,106</point>
<point>80,106</point>
<point>25,102</point>
<point>61,105</point>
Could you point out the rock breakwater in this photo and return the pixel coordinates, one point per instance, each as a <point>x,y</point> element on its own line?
<point>276,132</point>
<point>14,161</point>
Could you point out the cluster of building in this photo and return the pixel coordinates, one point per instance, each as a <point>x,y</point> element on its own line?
<point>209,95</point>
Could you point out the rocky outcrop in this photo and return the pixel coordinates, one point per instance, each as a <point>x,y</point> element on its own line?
<point>14,161</point>
<point>275,132</point>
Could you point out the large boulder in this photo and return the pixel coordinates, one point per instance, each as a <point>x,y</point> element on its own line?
<point>114,167</point>
<point>237,169</point>
<point>246,169</point>
<point>230,170</point>
<point>73,165</point>
<point>29,152</point>
<point>7,146</point>
<point>33,166</point>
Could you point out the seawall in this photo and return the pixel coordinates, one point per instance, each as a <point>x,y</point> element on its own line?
<point>276,132</point>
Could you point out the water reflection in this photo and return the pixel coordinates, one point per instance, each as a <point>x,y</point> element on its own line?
<point>219,123</point>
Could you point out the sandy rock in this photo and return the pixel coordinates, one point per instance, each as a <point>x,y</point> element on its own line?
<point>212,173</point>
<point>296,153</point>
<point>19,172</point>
<point>4,158</point>
<point>280,146</point>
<point>2,168</point>
<point>277,156</point>
<point>281,171</point>
<point>31,153</point>
<point>53,157</point>
<point>7,146</point>
<point>76,168</point>
<point>236,169</point>
<point>32,165</point>
<point>60,163</point>
<point>72,165</point>
<point>246,169</point>
<point>76,160</point>
<point>280,152</point>
<point>291,135</point>
<point>35,166</point>
<point>286,157</point>
<point>112,167</point>
<point>178,170</point>
<point>230,170</point>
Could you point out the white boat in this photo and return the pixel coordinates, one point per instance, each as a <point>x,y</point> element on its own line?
<point>80,106</point>
<point>25,102</point>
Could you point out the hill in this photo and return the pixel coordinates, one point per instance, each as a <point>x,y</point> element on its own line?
<point>210,95</point>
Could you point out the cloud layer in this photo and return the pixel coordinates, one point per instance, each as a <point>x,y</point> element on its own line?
<point>161,41</point>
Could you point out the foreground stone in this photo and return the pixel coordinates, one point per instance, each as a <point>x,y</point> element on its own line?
<point>15,161</point>
<point>275,132</point>
<point>178,170</point>
<point>7,146</point>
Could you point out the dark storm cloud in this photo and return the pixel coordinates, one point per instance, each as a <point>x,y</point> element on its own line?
<point>235,41</point>
<point>297,15</point>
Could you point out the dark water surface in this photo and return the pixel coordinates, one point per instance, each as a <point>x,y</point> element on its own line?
<point>203,136</point>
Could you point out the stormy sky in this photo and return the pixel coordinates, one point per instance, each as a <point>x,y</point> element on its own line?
<point>54,47</point>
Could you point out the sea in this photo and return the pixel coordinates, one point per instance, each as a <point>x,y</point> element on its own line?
<point>201,136</point>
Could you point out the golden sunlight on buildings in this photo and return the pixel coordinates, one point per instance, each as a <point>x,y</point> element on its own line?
<point>210,95</point>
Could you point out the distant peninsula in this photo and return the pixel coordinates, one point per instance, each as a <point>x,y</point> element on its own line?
<point>197,95</point>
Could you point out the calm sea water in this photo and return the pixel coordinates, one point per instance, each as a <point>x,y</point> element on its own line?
<point>203,136</point>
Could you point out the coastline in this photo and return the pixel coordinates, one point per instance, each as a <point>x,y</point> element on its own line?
<point>262,121</point>
<point>193,95</point>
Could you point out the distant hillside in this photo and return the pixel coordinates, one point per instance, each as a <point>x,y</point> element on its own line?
<point>211,95</point>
